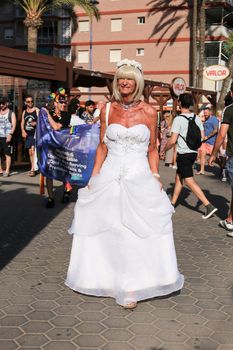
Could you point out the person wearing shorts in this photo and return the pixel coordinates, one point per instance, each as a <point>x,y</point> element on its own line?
<point>28,127</point>
<point>226,129</point>
<point>210,130</point>
<point>7,129</point>
<point>185,156</point>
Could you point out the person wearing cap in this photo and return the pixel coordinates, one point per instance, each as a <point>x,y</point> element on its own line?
<point>58,119</point>
<point>7,129</point>
<point>210,130</point>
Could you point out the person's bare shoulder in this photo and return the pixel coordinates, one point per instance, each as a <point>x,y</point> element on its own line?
<point>149,110</point>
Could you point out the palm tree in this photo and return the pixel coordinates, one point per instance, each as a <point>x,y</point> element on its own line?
<point>35,9</point>
<point>228,50</point>
<point>194,43</point>
<point>202,29</point>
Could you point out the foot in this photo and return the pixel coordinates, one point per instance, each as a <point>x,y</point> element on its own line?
<point>131,305</point>
<point>50,203</point>
<point>210,210</point>
<point>226,225</point>
<point>5,174</point>
<point>200,173</point>
<point>31,173</point>
<point>66,197</point>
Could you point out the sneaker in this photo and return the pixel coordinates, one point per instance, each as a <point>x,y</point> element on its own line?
<point>210,210</point>
<point>174,167</point>
<point>224,179</point>
<point>5,174</point>
<point>226,225</point>
<point>50,203</point>
<point>230,234</point>
<point>66,197</point>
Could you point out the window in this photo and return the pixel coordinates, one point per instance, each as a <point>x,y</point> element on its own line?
<point>48,33</point>
<point>8,33</point>
<point>140,52</point>
<point>115,55</point>
<point>84,26</point>
<point>83,56</point>
<point>141,20</point>
<point>116,25</point>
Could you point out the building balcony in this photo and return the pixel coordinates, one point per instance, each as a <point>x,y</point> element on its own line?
<point>218,30</point>
<point>210,61</point>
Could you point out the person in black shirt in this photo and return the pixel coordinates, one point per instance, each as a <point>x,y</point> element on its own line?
<point>28,127</point>
<point>58,119</point>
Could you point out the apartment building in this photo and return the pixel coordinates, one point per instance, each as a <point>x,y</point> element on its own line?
<point>158,37</point>
<point>126,31</point>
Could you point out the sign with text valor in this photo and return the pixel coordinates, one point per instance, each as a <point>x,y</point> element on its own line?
<point>216,72</point>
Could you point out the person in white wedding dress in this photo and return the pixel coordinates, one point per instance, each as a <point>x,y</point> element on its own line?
<point>122,229</point>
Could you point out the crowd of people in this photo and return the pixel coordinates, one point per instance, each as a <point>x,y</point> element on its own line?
<point>122,227</point>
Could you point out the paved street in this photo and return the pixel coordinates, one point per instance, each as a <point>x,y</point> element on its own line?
<point>38,312</point>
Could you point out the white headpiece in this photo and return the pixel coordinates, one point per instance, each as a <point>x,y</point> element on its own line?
<point>132,63</point>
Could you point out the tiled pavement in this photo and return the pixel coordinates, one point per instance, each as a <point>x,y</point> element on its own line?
<point>38,312</point>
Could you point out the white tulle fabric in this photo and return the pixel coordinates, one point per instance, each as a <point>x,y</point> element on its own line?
<point>123,241</point>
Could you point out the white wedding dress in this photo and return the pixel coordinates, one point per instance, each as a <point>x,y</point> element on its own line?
<point>123,241</point>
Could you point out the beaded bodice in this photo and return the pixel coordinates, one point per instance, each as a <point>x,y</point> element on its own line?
<point>121,140</point>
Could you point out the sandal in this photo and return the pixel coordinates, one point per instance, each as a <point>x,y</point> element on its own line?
<point>131,305</point>
<point>31,173</point>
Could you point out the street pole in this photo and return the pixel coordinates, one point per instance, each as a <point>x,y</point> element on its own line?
<point>92,2</point>
<point>90,55</point>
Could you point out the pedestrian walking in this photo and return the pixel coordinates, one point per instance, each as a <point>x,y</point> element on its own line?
<point>7,128</point>
<point>186,156</point>
<point>122,230</point>
<point>226,129</point>
<point>210,132</point>
<point>58,119</point>
<point>28,128</point>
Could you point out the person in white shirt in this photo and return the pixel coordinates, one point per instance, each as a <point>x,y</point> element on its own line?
<point>186,156</point>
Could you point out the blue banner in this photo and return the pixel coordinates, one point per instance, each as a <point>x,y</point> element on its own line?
<point>64,156</point>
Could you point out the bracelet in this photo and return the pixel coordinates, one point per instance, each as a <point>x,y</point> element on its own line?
<point>156,175</point>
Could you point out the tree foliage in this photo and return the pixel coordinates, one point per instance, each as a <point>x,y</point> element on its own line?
<point>35,9</point>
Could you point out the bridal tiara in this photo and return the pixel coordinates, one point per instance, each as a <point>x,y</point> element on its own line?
<point>132,63</point>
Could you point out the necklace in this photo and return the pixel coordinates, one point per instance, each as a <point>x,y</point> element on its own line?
<point>129,105</point>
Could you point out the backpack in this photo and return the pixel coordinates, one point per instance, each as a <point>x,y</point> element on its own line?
<point>193,136</point>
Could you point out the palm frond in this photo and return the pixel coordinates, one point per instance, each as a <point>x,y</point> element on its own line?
<point>90,9</point>
<point>228,45</point>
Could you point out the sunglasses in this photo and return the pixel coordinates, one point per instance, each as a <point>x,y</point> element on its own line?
<point>29,101</point>
<point>62,102</point>
<point>2,104</point>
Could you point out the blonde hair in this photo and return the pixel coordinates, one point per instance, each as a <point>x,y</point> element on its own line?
<point>128,72</point>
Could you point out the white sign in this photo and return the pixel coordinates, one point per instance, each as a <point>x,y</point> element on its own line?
<point>178,86</point>
<point>216,72</point>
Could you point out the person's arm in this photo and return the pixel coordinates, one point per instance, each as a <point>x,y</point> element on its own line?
<point>219,141</point>
<point>13,127</point>
<point>153,154</point>
<point>102,150</point>
<point>24,134</point>
<point>213,133</point>
<point>53,124</point>
<point>171,141</point>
